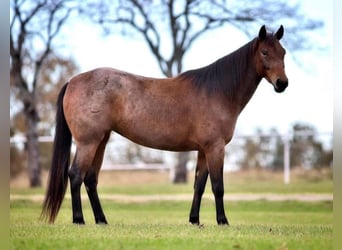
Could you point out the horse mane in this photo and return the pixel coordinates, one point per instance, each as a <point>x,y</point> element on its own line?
<point>225,74</point>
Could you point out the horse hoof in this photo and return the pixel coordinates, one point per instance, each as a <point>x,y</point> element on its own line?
<point>101,223</point>
<point>194,220</point>
<point>194,223</point>
<point>76,222</point>
<point>223,222</point>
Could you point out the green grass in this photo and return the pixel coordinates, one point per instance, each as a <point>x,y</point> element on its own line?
<point>163,225</point>
<point>249,182</point>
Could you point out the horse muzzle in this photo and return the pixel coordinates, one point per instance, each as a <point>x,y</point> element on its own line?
<point>280,85</point>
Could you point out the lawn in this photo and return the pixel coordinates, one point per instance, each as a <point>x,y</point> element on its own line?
<point>163,225</point>
<point>256,224</point>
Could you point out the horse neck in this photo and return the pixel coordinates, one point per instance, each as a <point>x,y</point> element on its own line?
<point>246,89</point>
<point>248,80</point>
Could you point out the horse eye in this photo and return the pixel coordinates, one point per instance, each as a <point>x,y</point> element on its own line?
<point>264,52</point>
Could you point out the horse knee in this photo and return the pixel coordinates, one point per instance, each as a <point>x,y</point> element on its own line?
<point>90,181</point>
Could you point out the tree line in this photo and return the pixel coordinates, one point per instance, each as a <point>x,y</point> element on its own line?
<point>261,150</point>
<point>265,149</point>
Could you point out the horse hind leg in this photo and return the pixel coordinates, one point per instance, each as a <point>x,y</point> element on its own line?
<point>81,164</point>
<point>91,180</point>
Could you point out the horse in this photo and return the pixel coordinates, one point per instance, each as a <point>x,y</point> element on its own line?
<point>194,111</point>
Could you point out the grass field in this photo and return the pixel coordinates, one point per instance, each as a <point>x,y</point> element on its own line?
<point>255,224</point>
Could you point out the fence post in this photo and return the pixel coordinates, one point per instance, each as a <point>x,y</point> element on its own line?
<point>286,139</point>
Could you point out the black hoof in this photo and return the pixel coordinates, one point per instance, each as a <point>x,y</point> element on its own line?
<point>79,222</point>
<point>101,222</point>
<point>222,222</point>
<point>194,220</point>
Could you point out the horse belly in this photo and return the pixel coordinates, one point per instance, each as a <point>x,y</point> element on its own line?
<point>161,141</point>
<point>157,127</point>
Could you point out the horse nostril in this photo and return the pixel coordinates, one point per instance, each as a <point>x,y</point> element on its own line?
<point>281,85</point>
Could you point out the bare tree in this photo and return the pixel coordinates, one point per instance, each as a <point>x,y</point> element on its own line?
<point>176,25</point>
<point>34,26</point>
<point>306,150</point>
<point>53,73</point>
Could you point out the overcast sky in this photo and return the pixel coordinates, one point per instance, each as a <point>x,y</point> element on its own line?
<point>308,99</point>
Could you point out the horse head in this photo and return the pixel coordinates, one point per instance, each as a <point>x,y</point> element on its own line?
<point>270,58</point>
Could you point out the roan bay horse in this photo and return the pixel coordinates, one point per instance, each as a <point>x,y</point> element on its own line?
<point>196,110</point>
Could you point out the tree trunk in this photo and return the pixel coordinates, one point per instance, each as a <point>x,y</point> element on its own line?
<point>32,146</point>
<point>181,172</point>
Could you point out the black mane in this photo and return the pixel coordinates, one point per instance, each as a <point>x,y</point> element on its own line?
<point>225,74</point>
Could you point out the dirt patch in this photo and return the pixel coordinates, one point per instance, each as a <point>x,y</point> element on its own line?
<point>143,176</point>
<point>136,177</point>
<point>106,178</point>
<point>22,180</point>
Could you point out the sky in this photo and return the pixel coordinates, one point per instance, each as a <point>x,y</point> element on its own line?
<point>308,99</point>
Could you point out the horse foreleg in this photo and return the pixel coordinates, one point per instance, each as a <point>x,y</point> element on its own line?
<point>215,158</point>
<point>201,177</point>
<point>91,180</point>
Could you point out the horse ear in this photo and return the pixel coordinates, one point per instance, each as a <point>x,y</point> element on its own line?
<point>262,32</point>
<point>279,34</point>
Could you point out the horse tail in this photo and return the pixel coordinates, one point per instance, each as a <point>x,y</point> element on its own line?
<point>58,177</point>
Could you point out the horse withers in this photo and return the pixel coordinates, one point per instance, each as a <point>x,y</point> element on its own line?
<point>196,110</point>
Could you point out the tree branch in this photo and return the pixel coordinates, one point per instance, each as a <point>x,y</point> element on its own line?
<point>51,34</point>
<point>207,14</point>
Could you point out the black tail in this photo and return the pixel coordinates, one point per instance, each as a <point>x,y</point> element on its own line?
<point>58,178</point>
